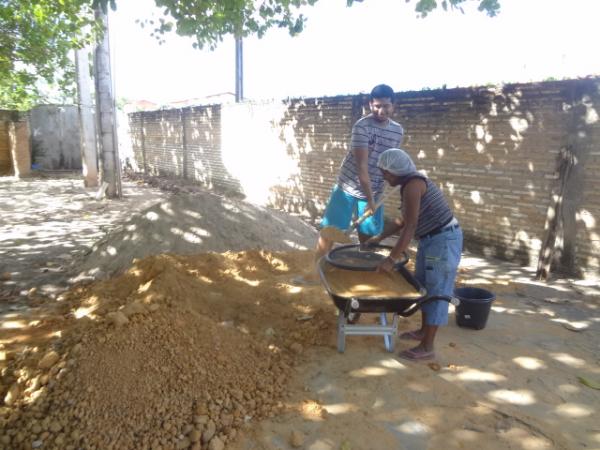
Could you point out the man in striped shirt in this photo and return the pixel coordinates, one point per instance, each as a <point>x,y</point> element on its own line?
<point>360,182</point>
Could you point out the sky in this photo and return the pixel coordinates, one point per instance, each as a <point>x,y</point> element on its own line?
<point>347,50</point>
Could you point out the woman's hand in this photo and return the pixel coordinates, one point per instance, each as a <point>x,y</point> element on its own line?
<point>387,265</point>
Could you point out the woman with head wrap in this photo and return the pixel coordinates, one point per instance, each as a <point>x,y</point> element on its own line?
<point>426,217</point>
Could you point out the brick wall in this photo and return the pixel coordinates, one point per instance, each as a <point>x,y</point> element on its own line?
<point>15,145</point>
<point>6,165</point>
<point>20,148</point>
<point>496,152</point>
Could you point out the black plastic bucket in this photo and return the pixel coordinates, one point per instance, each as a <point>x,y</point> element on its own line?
<point>474,308</point>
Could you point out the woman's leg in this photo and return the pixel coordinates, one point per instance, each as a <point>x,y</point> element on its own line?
<point>420,276</point>
<point>439,259</point>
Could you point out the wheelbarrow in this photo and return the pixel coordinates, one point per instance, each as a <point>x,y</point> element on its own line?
<point>348,273</point>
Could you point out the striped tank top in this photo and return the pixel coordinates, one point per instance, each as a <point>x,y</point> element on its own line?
<point>376,137</point>
<point>434,211</point>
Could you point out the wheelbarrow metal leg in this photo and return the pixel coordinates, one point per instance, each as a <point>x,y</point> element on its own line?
<point>385,329</point>
<point>392,330</point>
<point>388,339</point>
<point>341,334</point>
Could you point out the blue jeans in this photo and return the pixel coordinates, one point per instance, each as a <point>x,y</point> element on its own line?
<point>436,265</point>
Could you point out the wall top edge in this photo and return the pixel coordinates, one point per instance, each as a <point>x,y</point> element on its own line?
<point>556,86</point>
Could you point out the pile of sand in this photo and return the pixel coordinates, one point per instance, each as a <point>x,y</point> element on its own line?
<point>192,223</point>
<point>178,352</point>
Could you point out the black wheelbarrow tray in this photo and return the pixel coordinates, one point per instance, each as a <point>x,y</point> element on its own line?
<point>350,299</point>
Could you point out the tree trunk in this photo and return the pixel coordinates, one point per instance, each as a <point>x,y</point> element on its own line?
<point>554,238</point>
<point>87,129</point>
<point>110,171</point>
<point>559,248</point>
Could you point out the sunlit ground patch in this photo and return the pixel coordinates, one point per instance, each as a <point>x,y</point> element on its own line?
<point>574,410</point>
<point>473,375</point>
<point>372,371</point>
<point>568,359</point>
<point>529,363</point>
<point>512,397</point>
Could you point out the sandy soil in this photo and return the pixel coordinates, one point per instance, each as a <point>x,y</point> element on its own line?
<point>219,350</point>
<point>514,385</point>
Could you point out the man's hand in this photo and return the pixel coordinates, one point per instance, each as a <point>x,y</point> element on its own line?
<point>373,240</point>
<point>371,208</point>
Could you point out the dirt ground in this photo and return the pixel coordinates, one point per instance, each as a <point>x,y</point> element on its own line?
<point>125,347</point>
<point>50,220</point>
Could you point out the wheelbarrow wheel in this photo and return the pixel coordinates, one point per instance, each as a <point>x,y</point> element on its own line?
<point>353,318</point>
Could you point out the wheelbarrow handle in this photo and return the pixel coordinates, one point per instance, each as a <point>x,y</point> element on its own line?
<point>415,306</point>
<point>447,298</point>
<point>402,261</point>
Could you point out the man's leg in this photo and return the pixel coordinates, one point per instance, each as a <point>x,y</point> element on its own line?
<point>338,213</point>
<point>322,248</point>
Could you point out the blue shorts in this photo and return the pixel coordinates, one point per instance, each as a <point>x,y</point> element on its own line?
<point>342,207</point>
<point>436,265</point>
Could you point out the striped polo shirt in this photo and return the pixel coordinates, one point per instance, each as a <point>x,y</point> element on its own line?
<point>434,211</point>
<point>376,137</point>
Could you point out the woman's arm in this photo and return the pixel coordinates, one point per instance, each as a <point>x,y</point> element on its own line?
<point>411,201</point>
<point>389,229</point>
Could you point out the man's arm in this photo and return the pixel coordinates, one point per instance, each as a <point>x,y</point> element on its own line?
<point>361,155</point>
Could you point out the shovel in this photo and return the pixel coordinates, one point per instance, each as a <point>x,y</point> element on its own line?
<point>334,234</point>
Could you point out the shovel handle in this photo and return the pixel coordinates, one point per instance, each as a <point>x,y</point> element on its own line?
<point>369,213</point>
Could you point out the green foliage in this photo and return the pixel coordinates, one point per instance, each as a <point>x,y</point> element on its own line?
<point>36,40</point>
<point>424,7</point>
<point>209,21</point>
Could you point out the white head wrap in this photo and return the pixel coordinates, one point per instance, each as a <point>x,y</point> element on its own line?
<point>397,162</point>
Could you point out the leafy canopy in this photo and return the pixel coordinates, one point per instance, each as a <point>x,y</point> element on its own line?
<point>424,7</point>
<point>209,21</point>
<point>37,36</point>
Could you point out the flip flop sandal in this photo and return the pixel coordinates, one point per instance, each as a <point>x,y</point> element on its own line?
<point>410,336</point>
<point>412,355</point>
